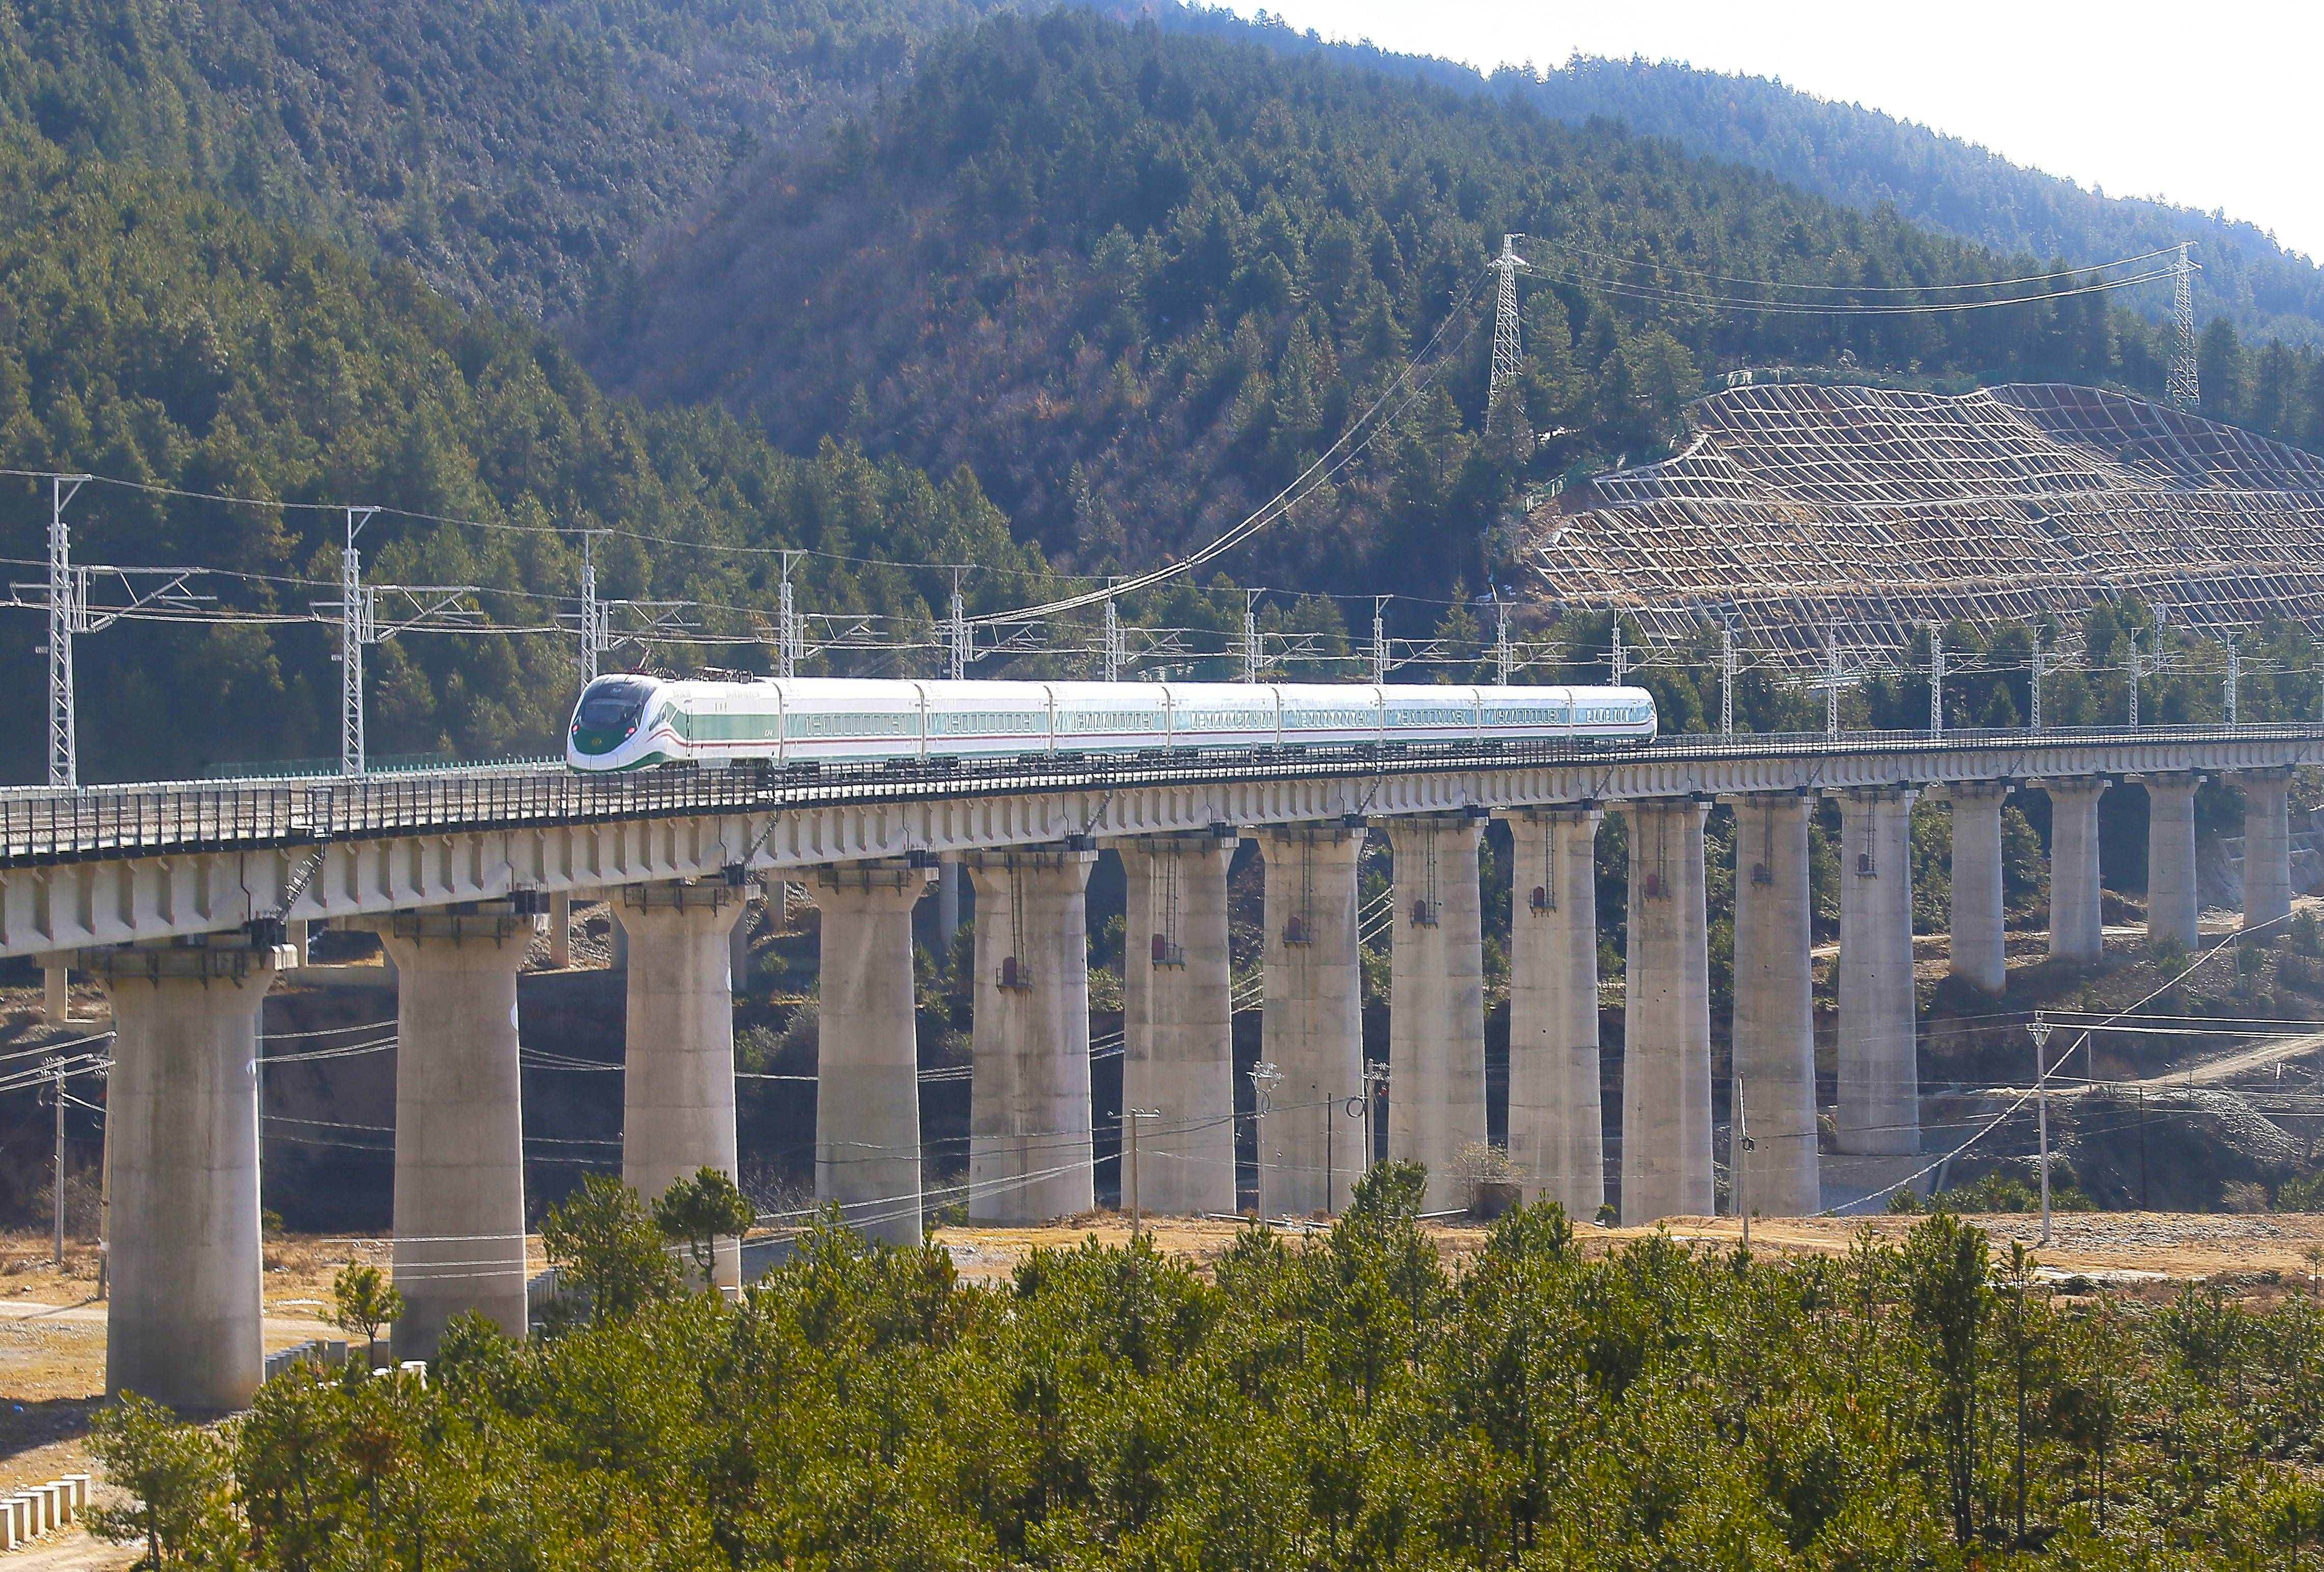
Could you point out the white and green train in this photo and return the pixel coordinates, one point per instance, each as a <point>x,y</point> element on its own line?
<point>632,722</point>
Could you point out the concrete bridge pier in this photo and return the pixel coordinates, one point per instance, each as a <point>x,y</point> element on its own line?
<point>1313,1025</point>
<point>1029,1149</point>
<point>56,989</point>
<point>459,1126</point>
<point>867,1078</point>
<point>1178,1021</point>
<point>1879,1072</point>
<point>1436,1006</point>
<point>2076,913</point>
<point>738,947</point>
<point>183,1321</point>
<point>1666,1162</point>
<point>948,876</point>
<point>2267,849</point>
<point>2173,904</point>
<point>677,1074</point>
<point>1774,1035</point>
<point>1980,957</point>
<point>1557,1138</point>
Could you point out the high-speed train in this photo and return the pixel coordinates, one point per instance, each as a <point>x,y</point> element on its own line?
<point>631,722</point>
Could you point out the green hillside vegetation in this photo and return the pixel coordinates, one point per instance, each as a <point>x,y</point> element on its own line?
<point>1138,279</point>
<point>154,334</point>
<point>1348,1401</point>
<point>1870,161</point>
<point>511,151</point>
<point>1124,282</point>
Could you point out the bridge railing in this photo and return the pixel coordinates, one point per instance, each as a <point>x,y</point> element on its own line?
<point>39,825</point>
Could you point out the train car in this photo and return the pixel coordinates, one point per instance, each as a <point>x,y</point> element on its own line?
<point>632,722</point>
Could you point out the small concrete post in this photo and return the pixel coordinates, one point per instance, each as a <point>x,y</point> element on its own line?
<point>1179,1021</point>
<point>1880,1070</point>
<point>1557,1138</point>
<point>1436,1001</point>
<point>1029,1149</point>
<point>2076,913</point>
<point>183,1325</point>
<point>56,991</point>
<point>1312,997</point>
<point>1980,955</point>
<point>2172,902</point>
<point>460,1121</point>
<point>2267,848</point>
<point>1666,1158</point>
<point>677,1076</point>
<point>867,1084</point>
<point>560,931</point>
<point>298,936</point>
<point>1774,1032</point>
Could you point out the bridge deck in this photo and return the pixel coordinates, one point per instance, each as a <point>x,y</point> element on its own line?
<point>41,826</point>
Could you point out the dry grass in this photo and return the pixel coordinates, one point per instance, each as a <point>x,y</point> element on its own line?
<point>2125,1246</point>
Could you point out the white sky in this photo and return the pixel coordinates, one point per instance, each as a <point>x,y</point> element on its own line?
<point>2208,107</point>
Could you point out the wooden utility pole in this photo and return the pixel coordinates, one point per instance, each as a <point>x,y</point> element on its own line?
<point>56,1067</point>
<point>1129,1118</point>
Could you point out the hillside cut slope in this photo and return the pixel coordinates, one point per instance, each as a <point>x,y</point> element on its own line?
<point>1795,507</point>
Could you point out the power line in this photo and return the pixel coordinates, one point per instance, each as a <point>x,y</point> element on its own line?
<point>2068,271</point>
<point>1781,309</point>
<point>1407,388</point>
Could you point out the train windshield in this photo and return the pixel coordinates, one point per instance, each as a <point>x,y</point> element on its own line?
<point>609,706</point>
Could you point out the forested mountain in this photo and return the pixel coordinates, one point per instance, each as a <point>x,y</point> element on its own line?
<point>1865,159</point>
<point>1125,281</point>
<point>1138,279</point>
<point>510,149</point>
<point>153,334</point>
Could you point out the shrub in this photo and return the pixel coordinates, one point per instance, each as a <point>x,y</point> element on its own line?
<point>2307,932</point>
<point>2302,1193</point>
<point>176,1472</point>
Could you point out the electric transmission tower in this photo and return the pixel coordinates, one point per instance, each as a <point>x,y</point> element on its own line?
<point>2184,390</point>
<point>1508,348</point>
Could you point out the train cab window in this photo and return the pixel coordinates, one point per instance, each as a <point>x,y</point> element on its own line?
<point>612,706</point>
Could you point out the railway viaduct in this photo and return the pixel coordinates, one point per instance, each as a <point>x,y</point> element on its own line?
<point>181,899</point>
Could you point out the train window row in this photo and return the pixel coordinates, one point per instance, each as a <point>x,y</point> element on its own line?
<point>701,727</point>
<point>988,722</point>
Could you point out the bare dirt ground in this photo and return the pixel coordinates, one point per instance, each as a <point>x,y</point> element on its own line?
<point>53,1367</point>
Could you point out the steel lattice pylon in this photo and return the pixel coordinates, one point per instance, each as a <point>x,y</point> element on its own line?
<point>1508,347</point>
<point>2184,390</point>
